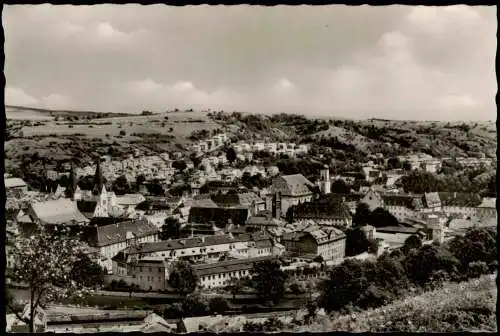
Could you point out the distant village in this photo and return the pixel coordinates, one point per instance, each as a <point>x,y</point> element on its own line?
<point>225,228</point>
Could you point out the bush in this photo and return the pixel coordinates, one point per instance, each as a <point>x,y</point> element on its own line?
<point>123,133</point>
<point>477,268</point>
<point>218,305</point>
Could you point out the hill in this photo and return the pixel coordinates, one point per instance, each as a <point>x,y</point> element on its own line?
<point>390,137</point>
<point>32,113</point>
<point>469,306</point>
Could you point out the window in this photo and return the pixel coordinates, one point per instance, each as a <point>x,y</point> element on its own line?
<point>150,270</point>
<point>140,269</point>
<point>140,277</point>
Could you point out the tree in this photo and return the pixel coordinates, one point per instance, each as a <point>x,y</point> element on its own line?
<point>179,165</point>
<point>231,155</point>
<point>412,242</point>
<point>478,244</point>
<point>195,305</point>
<point>196,160</point>
<point>218,305</point>
<point>183,277</point>
<point>428,260</point>
<point>123,133</point>
<point>290,213</point>
<point>44,263</point>
<point>121,185</point>
<point>269,280</point>
<point>171,229</point>
<point>340,187</point>
<point>235,286</point>
<point>362,215</point>
<point>140,180</point>
<point>356,242</point>
<point>382,218</point>
<point>394,163</point>
<point>87,272</point>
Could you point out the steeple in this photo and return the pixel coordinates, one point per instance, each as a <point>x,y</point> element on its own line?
<point>73,183</point>
<point>98,179</point>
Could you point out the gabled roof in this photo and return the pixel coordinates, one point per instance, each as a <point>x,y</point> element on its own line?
<point>242,199</point>
<point>408,201</point>
<point>59,211</point>
<point>130,199</point>
<point>116,233</point>
<point>14,182</point>
<point>293,185</point>
<point>182,243</point>
<point>432,199</point>
<point>229,265</point>
<point>321,209</point>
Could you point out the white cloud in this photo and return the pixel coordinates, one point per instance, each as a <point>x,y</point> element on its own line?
<point>106,30</point>
<point>56,101</point>
<point>15,96</point>
<point>68,29</point>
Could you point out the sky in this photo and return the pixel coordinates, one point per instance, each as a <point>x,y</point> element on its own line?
<point>394,62</point>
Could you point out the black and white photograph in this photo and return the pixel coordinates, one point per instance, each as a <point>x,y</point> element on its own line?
<point>246,168</point>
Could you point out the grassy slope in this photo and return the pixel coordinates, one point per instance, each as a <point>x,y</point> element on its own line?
<point>468,306</point>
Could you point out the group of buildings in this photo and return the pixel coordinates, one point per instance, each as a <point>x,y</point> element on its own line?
<point>224,233</point>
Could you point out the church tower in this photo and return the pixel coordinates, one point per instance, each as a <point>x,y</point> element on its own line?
<point>98,179</point>
<point>73,183</point>
<point>324,180</point>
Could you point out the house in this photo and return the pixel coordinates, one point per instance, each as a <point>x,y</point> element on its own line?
<point>402,206</point>
<point>250,200</point>
<point>458,203</point>
<point>111,239</point>
<point>395,237</point>
<point>61,211</point>
<point>220,274</point>
<point>195,249</point>
<point>148,273</point>
<point>293,189</point>
<point>130,200</point>
<point>370,173</point>
<point>230,323</point>
<point>209,211</point>
<point>15,187</point>
<point>263,244</point>
<point>327,243</point>
<point>373,199</point>
<point>262,222</point>
<point>487,209</point>
<point>432,202</point>
<point>334,211</point>
<point>90,320</point>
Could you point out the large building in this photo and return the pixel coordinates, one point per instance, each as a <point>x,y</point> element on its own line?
<point>333,212</point>
<point>196,249</point>
<point>113,238</point>
<point>221,274</point>
<point>293,189</point>
<point>312,242</point>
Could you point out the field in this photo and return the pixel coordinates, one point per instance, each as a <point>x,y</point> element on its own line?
<point>468,306</point>
<point>182,124</point>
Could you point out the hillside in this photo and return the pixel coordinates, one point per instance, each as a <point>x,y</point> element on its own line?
<point>390,137</point>
<point>32,113</point>
<point>468,306</point>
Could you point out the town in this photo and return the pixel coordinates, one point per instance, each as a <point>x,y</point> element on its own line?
<point>250,169</point>
<point>146,234</point>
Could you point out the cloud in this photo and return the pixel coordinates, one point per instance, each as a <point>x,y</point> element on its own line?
<point>17,97</point>
<point>56,101</point>
<point>106,30</point>
<point>392,62</point>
